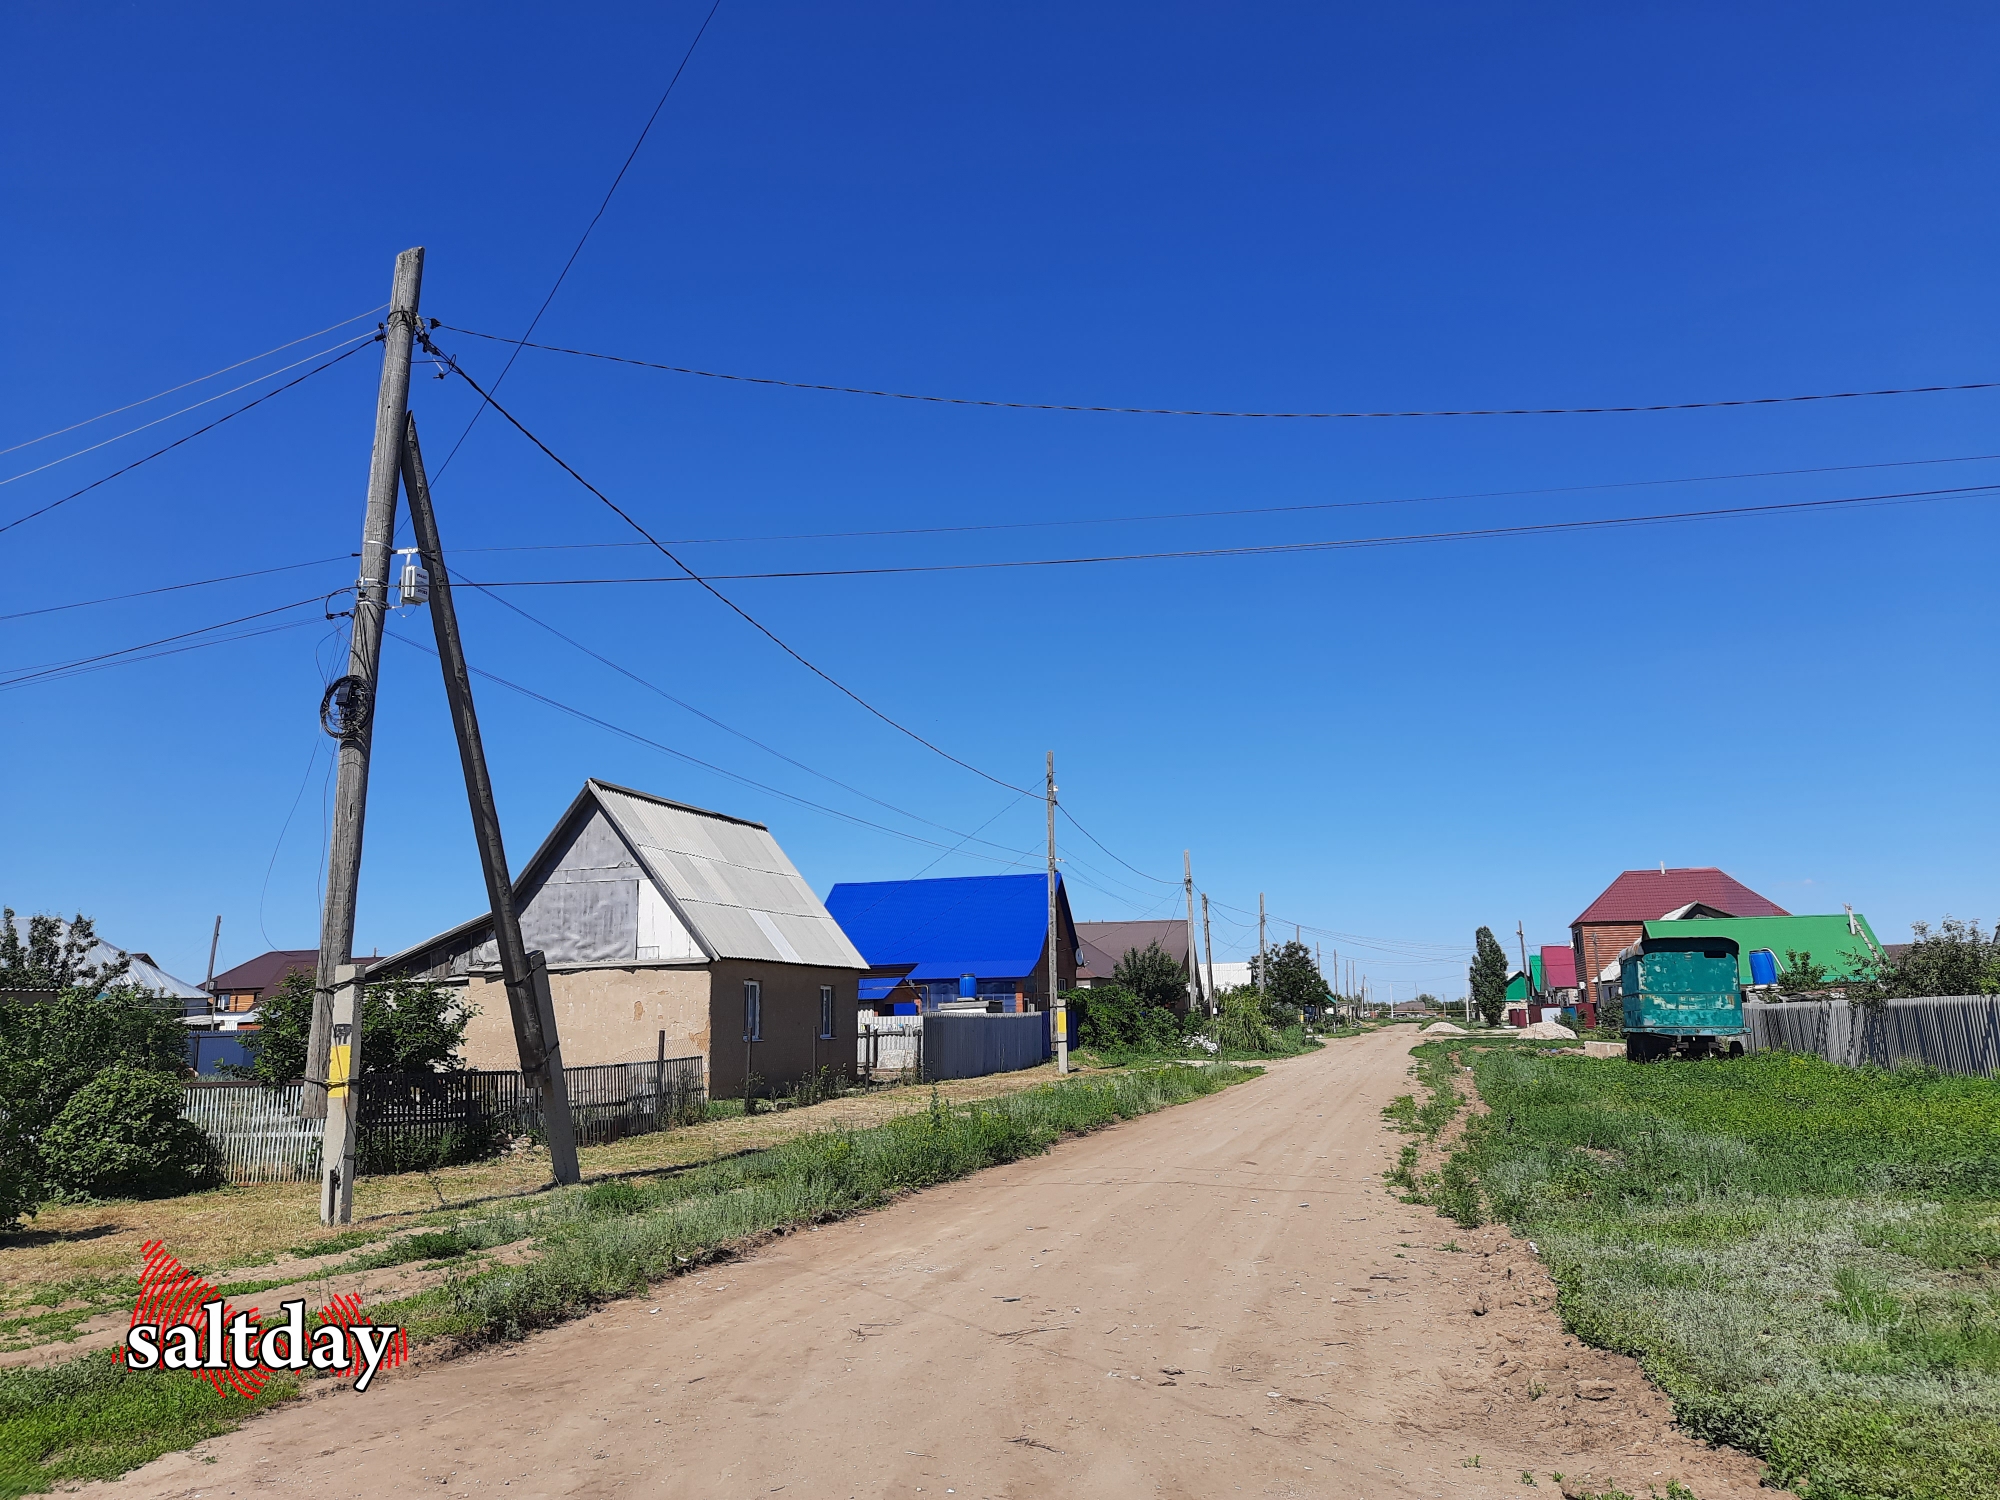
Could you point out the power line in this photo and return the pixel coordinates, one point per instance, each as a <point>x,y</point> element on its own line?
<point>59,675</point>
<point>695,760</point>
<point>190,437</point>
<point>173,588</point>
<point>144,400</point>
<point>192,406</point>
<point>709,718</point>
<point>1169,411</point>
<point>1482,533</point>
<point>1255,510</point>
<point>717,593</point>
<point>35,674</point>
<point>563,275</point>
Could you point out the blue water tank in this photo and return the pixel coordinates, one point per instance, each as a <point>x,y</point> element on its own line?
<point>1763,966</point>
<point>968,986</point>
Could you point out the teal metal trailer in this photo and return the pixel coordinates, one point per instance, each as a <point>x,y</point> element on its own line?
<point>1683,997</point>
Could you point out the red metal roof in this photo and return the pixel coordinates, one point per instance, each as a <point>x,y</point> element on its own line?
<point>1559,968</point>
<point>1648,895</point>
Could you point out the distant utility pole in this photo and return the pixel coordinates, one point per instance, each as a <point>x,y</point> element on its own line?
<point>1194,968</point>
<point>1060,1011</point>
<point>215,939</point>
<point>1263,964</point>
<point>1208,951</point>
<point>347,711</point>
<point>1527,979</point>
<point>534,1022</point>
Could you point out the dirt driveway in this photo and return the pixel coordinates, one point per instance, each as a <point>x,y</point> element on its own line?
<point>1220,1298</point>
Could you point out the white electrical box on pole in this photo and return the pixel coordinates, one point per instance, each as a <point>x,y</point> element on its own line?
<point>1058,1010</point>
<point>347,711</point>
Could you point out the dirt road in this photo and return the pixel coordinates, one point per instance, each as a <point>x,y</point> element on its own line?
<point>1220,1298</point>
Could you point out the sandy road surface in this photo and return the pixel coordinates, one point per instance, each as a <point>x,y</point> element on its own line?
<point>1217,1299</point>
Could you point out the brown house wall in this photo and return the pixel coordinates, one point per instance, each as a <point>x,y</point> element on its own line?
<point>1597,944</point>
<point>602,1016</point>
<point>792,1046</point>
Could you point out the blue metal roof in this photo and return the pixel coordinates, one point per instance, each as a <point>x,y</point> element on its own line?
<point>989,925</point>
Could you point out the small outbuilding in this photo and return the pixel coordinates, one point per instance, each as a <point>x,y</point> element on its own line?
<point>656,918</point>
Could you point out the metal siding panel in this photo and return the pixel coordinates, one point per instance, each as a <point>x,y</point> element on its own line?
<point>585,922</point>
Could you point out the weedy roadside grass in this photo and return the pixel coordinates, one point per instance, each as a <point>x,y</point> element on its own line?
<point>1805,1257</point>
<point>91,1418</point>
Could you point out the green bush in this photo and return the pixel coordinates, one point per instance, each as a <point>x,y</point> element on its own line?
<point>1112,1018</point>
<point>122,1136</point>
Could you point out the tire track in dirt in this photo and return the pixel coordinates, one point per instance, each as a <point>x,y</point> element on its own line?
<point>1222,1297</point>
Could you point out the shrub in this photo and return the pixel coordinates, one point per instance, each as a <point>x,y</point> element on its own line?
<point>122,1136</point>
<point>1112,1018</point>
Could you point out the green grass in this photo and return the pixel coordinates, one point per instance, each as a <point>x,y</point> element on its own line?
<point>1806,1258</point>
<point>91,1418</point>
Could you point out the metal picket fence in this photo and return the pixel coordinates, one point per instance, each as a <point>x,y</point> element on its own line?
<point>410,1120</point>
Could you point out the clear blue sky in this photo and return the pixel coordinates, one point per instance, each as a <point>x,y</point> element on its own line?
<point>1302,207</point>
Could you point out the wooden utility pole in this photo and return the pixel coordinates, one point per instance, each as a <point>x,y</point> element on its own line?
<point>1208,951</point>
<point>336,1153</point>
<point>1057,1008</point>
<point>534,1034</point>
<point>1527,979</point>
<point>351,699</point>
<point>214,941</point>
<point>1263,963</point>
<point>1194,968</point>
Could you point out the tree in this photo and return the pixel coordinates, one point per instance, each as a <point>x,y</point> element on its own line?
<point>407,1026</point>
<point>1154,976</point>
<point>1292,981</point>
<point>1800,975</point>
<point>1488,976</point>
<point>53,957</point>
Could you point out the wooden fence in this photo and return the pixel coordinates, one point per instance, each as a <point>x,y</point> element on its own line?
<point>406,1121</point>
<point>1959,1034</point>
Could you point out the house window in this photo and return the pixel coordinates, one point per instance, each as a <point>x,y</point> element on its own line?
<point>826,1010</point>
<point>753,1011</point>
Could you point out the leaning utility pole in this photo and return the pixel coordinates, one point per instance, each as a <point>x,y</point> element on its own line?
<point>524,977</point>
<point>1058,1009</point>
<point>351,699</point>
<point>214,942</point>
<point>1527,979</point>
<point>1208,950</point>
<point>1194,969</point>
<point>1263,963</point>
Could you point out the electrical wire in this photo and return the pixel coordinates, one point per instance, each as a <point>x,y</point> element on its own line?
<point>34,674</point>
<point>172,588</point>
<point>189,437</point>
<point>144,400</point>
<point>1268,549</point>
<point>1254,510</point>
<point>730,729</point>
<point>742,613</point>
<point>695,760</point>
<point>563,275</point>
<point>194,406</point>
<point>1169,411</point>
<point>64,671</point>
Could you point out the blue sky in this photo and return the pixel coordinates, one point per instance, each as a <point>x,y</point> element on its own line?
<point>1296,208</point>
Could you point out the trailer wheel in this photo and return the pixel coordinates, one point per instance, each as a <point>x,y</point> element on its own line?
<point>1735,1049</point>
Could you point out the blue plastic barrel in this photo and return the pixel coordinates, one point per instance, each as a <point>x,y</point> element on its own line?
<point>1763,966</point>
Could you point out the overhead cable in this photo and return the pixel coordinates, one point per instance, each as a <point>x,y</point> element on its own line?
<point>192,406</point>
<point>695,577</point>
<point>1481,533</point>
<point>35,673</point>
<point>563,275</point>
<point>174,588</point>
<point>1172,411</point>
<point>144,400</point>
<point>189,437</point>
<point>695,760</point>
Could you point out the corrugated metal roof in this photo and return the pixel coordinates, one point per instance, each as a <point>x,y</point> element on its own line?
<point>736,890</point>
<point>1103,944</point>
<point>1560,966</point>
<point>143,971</point>
<point>1648,895</point>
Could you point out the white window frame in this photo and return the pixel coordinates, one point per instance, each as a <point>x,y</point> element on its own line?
<point>753,1010</point>
<point>826,1017</point>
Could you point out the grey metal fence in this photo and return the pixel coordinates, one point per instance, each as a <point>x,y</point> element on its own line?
<point>971,1046</point>
<point>411,1120</point>
<point>1954,1034</point>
